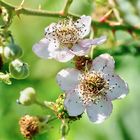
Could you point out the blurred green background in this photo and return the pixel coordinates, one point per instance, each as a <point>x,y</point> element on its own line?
<point>124,122</point>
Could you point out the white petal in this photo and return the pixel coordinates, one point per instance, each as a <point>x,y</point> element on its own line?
<point>62,55</point>
<point>79,51</point>
<point>119,88</point>
<point>104,63</point>
<point>53,44</point>
<point>89,42</point>
<point>41,49</point>
<point>83,25</point>
<point>73,104</point>
<point>50,29</point>
<point>50,33</point>
<point>68,79</point>
<point>100,111</point>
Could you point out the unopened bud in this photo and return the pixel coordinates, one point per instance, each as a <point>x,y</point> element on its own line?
<point>18,69</point>
<point>27,96</point>
<point>12,51</point>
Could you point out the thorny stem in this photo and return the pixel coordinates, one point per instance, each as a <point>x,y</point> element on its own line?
<point>32,12</point>
<point>115,11</point>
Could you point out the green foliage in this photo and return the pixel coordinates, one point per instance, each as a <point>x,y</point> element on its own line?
<point>124,121</point>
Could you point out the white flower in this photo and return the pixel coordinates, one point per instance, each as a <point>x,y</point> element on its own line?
<point>64,40</point>
<point>93,90</point>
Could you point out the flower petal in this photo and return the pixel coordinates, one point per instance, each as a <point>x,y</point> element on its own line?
<point>98,112</point>
<point>79,51</point>
<point>68,79</point>
<point>83,25</point>
<point>41,49</point>
<point>50,29</point>
<point>62,55</point>
<point>53,44</point>
<point>74,104</point>
<point>119,88</point>
<point>89,42</point>
<point>104,63</point>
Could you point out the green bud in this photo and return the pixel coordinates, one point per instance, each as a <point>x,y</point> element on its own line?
<point>12,51</point>
<point>27,96</point>
<point>18,69</point>
<point>61,112</point>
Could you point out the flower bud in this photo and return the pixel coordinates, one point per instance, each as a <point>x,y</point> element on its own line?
<point>12,51</point>
<point>27,96</point>
<point>18,69</point>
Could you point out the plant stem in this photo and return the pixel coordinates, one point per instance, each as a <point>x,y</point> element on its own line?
<point>27,11</point>
<point>67,6</point>
<point>64,129</point>
<point>52,119</point>
<point>32,12</point>
<point>40,104</point>
<point>63,138</point>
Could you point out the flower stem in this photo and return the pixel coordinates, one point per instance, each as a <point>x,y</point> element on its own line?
<point>31,12</point>
<point>52,119</point>
<point>63,138</point>
<point>40,104</point>
<point>91,52</point>
<point>64,129</point>
<point>67,6</point>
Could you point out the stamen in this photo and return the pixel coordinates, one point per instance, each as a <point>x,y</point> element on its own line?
<point>67,32</point>
<point>93,87</point>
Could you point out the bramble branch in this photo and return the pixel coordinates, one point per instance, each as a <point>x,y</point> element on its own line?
<point>26,11</point>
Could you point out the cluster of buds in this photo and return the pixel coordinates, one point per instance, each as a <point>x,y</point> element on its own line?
<point>61,112</point>
<point>10,53</point>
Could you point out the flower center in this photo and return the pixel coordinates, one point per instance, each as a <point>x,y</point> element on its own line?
<point>67,32</point>
<point>93,87</point>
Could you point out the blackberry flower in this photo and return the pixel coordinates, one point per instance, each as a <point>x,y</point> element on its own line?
<point>93,90</point>
<point>64,40</point>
